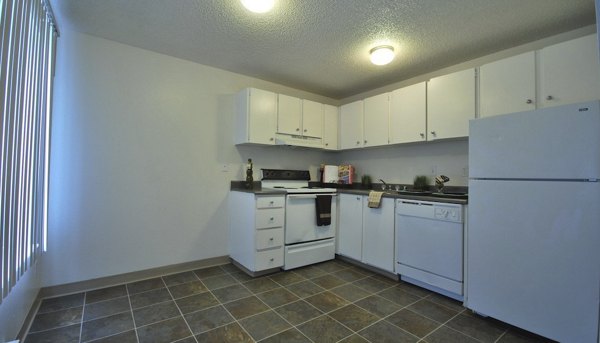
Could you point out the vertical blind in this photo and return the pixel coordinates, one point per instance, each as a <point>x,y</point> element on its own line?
<point>26,69</point>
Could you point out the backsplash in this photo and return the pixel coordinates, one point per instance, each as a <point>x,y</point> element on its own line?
<point>399,164</point>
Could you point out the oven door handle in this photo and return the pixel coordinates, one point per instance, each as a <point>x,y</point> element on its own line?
<point>307,196</point>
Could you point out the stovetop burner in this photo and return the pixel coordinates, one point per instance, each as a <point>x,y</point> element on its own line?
<point>292,181</point>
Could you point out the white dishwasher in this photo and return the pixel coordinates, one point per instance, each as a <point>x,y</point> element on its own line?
<point>429,245</point>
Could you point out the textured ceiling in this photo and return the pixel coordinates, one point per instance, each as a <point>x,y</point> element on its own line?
<point>322,46</point>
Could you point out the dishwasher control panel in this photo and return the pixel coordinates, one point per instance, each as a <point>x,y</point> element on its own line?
<point>447,213</point>
<point>428,209</point>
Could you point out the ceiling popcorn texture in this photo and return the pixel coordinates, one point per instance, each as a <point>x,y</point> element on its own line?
<point>322,46</point>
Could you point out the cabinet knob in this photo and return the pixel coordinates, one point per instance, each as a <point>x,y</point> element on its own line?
<point>357,198</point>
<point>549,97</point>
<point>365,141</point>
<point>272,219</point>
<point>433,133</point>
<point>422,135</point>
<point>326,144</point>
<point>529,101</point>
<point>271,139</point>
<point>357,142</point>
<point>272,259</point>
<point>271,239</point>
<point>304,130</point>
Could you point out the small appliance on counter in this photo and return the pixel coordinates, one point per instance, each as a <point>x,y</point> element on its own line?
<point>330,174</point>
<point>346,174</point>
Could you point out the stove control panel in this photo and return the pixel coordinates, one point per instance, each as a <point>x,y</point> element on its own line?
<point>285,174</point>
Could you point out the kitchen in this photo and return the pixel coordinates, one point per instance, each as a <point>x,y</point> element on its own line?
<point>139,158</point>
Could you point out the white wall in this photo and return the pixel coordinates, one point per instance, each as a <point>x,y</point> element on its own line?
<point>16,305</point>
<point>401,163</point>
<point>139,141</point>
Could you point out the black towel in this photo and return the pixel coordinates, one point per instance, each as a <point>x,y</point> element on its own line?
<point>323,203</point>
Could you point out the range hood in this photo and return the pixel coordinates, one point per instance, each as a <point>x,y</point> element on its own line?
<point>302,141</point>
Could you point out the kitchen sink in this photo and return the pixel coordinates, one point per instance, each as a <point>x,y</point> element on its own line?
<point>453,195</point>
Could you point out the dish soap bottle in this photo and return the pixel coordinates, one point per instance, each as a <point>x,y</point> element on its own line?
<point>249,178</point>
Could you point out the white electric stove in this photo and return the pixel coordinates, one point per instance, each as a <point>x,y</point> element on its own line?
<point>305,241</point>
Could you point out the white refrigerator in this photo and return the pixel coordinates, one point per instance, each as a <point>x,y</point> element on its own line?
<point>533,239</point>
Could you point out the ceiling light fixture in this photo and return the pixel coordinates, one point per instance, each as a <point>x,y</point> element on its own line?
<point>382,55</point>
<point>259,6</point>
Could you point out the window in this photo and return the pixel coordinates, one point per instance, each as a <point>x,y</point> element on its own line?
<point>28,37</point>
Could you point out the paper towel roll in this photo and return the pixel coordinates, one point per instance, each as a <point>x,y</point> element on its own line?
<point>330,174</point>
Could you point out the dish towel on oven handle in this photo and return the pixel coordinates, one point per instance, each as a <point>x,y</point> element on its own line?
<point>375,199</point>
<point>323,203</point>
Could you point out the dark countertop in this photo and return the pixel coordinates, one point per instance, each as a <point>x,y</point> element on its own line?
<point>391,194</point>
<point>240,186</point>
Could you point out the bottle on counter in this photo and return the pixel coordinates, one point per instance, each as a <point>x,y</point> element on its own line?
<point>249,177</point>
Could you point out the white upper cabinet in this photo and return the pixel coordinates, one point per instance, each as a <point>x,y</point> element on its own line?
<point>450,105</point>
<point>312,119</point>
<point>507,86</point>
<point>570,72</point>
<point>256,116</point>
<point>408,114</point>
<point>376,120</point>
<point>289,115</point>
<point>330,127</point>
<point>351,125</point>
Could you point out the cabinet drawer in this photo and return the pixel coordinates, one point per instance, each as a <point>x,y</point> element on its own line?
<point>270,202</point>
<point>269,238</point>
<point>269,218</point>
<point>267,259</point>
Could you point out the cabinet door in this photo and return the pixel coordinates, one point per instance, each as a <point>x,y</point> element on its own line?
<point>450,105</point>
<point>376,120</point>
<point>570,72</point>
<point>262,116</point>
<point>378,235</point>
<point>408,114</point>
<point>330,127</point>
<point>349,236</point>
<point>289,115</point>
<point>507,86</point>
<point>312,119</point>
<point>351,125</point>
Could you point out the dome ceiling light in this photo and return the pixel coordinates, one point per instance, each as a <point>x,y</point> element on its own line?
<point>382,55</point>
<point>259,6</point>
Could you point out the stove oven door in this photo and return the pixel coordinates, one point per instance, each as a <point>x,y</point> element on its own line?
<point>301,219</point>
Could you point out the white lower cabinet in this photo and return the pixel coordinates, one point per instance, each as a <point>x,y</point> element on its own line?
<point>378,234</point>
<point>256,230</point>
<point>366,234</point>
<point>349,236</point>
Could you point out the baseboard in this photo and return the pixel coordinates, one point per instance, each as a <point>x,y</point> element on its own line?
<point>381,272</point>
<point>113,280</point>
<point>107,281</point>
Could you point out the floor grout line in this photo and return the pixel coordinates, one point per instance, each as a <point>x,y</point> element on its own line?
<point>179,310</point>
<point>82,316</point>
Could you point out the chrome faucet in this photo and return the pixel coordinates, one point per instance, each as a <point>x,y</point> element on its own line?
<point>385,185</point>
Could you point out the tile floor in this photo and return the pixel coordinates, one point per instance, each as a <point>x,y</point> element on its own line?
<point>328,302</point>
